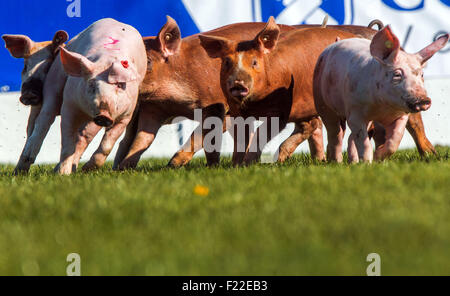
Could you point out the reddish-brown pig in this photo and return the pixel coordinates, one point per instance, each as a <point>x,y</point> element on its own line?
<point>271,76</point>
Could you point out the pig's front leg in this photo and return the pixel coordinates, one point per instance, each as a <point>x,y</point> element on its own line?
<point>359,145</point>
<point>25,162</point>
<point>85,135</point>
<point>33,145</point>
<point>34,112</point>
<point>109,139</point>
<point>52,93</point>
<point>241,141</point>
<point>394,135</point>
<point>71,121</point>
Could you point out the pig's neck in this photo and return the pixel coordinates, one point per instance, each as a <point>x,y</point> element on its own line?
<point>278,74</point>
<point>186,81</point>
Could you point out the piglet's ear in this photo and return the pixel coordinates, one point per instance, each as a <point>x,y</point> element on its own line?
<point>169,38</point>
<point>426,53</point>
<point>59,39</point>
<point>216,47</point>
<point>75,64</point>
<point>267,39</point>
<point>385,45</point>
<point>121,72</point>
<point>19,46</point>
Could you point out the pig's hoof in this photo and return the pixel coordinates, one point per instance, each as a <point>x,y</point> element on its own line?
<point>89,167</point>
<point>427,149</point>
<point>20,171</point>
<point>283,156</point>
<point>62,170</point>
<point>213,164</point>
<point>178,161</point>
<point>127,165</point>
<point>250,159</point>
<point>319,158</point>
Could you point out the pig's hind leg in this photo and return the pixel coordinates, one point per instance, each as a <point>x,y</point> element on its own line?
<point>315,142</point>
<point>187,151</point>
<point>359,145</point>
<point>264,135</point>
<point>196,141</point>
<point>85,135</point>
<point>305,130</point>
<point>335,134</point>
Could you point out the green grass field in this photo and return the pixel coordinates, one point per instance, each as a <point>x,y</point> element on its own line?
<point>297,218</point>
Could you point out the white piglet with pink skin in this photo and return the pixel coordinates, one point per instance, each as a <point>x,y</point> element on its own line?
<point>105,64</point>
<point>360,81</point>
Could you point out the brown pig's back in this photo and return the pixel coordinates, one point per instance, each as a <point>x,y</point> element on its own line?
<point>299,51</point>
<point>196,75</point>
<point>191,76</point>
<point>362,31</point>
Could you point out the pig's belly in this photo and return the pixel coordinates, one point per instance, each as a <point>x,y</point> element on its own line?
<point>337,102</point>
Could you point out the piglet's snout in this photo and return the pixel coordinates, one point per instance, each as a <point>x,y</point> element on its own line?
<point>238,89</point>
<point>103,119</point>
<point>30,98</point>
<point>424,104</point>
<point>419,104</point>
<point>32,92</point>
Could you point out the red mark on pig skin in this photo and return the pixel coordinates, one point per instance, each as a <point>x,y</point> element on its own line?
<point>124,64</point>
<point>113,41</point>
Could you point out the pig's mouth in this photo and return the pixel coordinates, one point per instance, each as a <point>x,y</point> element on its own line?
<point>239,91</point>
<point>30,98</point>
<point>420,105</point>
<point>103,120</point>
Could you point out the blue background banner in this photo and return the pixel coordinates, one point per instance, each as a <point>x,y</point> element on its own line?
<point>40,19</point>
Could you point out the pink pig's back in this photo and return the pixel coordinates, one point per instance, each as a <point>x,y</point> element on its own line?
<point>108,38</point>
<point>344,72</point>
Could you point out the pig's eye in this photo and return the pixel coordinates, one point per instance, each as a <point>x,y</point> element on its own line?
<point>122,85</point>
<point>398,76</point>
<point>254,63</point>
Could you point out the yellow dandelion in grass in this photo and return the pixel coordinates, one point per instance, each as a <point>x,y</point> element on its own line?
<point>201,190</point>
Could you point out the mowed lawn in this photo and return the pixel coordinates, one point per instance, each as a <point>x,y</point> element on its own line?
<point>297,218</point>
